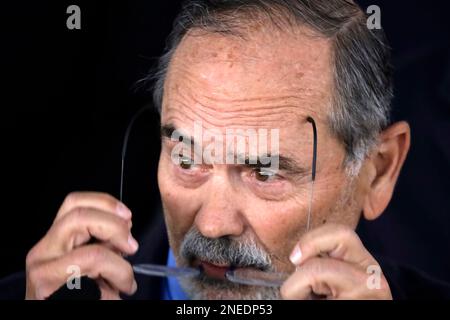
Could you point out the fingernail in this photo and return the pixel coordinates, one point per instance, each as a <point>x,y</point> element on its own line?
<point>133,243</point>
<point>123,211</point>
<point>134,287</point>
<point>296,255</point>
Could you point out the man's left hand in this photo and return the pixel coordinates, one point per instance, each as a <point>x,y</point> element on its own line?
<point>332,263</point>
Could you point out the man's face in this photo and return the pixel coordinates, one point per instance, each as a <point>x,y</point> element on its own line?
<point>270,80</point>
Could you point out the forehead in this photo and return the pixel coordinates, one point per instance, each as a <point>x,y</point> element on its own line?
<point>262,80</point>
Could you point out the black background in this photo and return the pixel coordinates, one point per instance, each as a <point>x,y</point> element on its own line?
<point>67,95</point>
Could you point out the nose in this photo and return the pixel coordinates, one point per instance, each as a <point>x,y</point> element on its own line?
<point>219,214</point>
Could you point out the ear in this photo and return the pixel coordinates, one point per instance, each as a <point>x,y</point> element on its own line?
<point>384,166</point>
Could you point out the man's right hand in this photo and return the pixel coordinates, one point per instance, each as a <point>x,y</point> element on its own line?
<point>84,216</point>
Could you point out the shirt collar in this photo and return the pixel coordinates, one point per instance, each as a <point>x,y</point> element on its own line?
<point>172,287</point>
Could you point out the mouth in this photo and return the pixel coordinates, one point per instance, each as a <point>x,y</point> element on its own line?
<point>219,271</point>
<point>214,270</point>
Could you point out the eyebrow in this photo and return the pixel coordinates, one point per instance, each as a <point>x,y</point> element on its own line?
<point>284,163</point>
<point>167,131</point>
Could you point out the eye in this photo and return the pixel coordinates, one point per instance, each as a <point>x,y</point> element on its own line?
<point>185,163</point>
<point>264,174</point>
<point>269,184</point>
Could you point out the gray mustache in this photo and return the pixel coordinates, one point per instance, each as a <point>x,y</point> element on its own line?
<point>224,250</point>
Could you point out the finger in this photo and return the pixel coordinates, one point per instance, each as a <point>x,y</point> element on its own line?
<point>336,241</point>
<point>321,276</point>
<point>82,224</point>
<point>94,261</point>
<point>107,291</point>
<point>333,279</point>
<point>98,200</point>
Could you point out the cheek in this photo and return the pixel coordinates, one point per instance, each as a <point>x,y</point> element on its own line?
<point>334,202</point>
<point>278,226</point>
<point>180,204</point>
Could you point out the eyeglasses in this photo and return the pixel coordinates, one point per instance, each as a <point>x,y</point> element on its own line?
<point>125,147</point>
<point>313,171</point>
<point>240,276</point>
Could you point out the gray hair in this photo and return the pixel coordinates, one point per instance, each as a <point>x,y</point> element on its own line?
<point>362,71</point>
<point>238,253</point>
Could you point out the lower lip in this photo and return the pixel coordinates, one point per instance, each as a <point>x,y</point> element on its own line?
<point>214,271</point>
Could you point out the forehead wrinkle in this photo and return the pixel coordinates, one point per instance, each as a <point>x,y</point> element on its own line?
<point>238,119</point>
<point>231,123</point>
<point>181,79</point>
<point>214,109</point>
<point>272,112</point>
<point>282,106</point>
<point>291,97</point>
<point>241,104</point>
<point>246,116</point>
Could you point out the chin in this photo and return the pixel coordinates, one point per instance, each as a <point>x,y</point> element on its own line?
<point>212,289</point>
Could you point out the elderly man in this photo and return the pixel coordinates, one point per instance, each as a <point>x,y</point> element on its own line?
<point>318,80</point>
